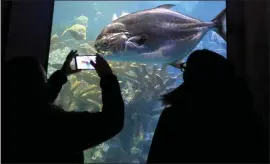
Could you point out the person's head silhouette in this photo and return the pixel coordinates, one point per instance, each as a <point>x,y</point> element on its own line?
<point>207,68</point>
<point>24,80</point>
<point>204,70</point>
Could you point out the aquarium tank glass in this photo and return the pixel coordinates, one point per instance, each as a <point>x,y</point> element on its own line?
<point>76,25</point>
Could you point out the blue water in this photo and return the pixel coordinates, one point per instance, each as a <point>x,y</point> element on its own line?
<point>100,13</point>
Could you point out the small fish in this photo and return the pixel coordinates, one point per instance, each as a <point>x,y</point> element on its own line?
<point>158,35</point>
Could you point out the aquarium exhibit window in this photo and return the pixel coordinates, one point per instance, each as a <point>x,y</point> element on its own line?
<point>76,25</point>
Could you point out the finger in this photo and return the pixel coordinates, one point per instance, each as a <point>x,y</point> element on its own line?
<point>102,60</point>
<point>75,54</point>
<point>99,58</point>
<point>71,56</point>
<point>71,52</point>
<point>93,64</point>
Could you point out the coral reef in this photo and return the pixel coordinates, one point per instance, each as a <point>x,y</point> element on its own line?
<point>83,20</point>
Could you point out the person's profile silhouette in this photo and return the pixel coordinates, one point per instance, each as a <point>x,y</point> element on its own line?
<point>209,118</point>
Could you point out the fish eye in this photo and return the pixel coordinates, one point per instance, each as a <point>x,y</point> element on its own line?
<point>106,44</point>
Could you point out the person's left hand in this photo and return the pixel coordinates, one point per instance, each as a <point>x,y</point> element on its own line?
<point>66,66</point>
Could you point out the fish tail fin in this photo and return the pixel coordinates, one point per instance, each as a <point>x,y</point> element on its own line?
<point>218,21</point>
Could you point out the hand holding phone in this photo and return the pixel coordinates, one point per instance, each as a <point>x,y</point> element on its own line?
<point>82,62</point>
<point>66,68</point>
<point>101,66</point>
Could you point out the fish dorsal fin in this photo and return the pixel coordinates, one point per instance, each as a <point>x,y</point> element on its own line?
<point>114,17</point>
<point>166,6</point>
<point>123,14</point>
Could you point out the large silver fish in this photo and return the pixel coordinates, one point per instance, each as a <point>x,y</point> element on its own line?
<point>157,35</point>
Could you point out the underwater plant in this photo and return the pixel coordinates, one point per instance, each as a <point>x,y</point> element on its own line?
<point>143,88</point>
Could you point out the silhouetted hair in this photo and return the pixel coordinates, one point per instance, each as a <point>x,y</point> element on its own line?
<point>203,68</point>
<point>24,80</point>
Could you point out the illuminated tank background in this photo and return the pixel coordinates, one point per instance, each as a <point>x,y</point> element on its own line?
<point>141,85</point>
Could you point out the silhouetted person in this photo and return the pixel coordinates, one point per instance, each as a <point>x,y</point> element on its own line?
<point>40,132</point>
<point>210,116</point>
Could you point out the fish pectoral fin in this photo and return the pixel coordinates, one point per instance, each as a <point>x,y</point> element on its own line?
<point>131,45</point>
<point>138,40</point>
<point>166,6</point>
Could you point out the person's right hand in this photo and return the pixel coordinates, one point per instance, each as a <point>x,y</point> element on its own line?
<point>101,66</point>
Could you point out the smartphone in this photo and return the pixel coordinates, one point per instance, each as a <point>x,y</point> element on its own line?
<point>83,62</point>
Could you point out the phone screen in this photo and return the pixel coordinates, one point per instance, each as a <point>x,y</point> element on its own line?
<point>83,62</point>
